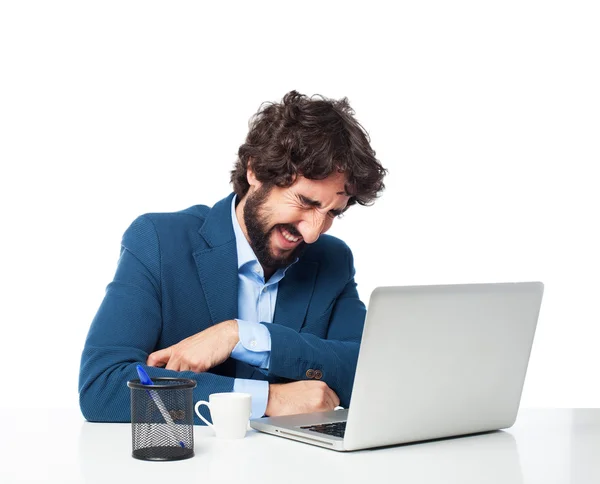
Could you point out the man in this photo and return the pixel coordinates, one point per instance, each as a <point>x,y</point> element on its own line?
<point>247,295</point>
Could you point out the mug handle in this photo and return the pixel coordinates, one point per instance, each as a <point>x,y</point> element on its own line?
<point>202,402</point>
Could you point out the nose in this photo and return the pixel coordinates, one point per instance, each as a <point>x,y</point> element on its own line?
<point>312,227</point>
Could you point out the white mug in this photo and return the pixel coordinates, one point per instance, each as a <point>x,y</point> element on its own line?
<point>230,413</point>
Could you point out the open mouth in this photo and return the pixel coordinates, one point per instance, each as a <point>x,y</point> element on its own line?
<point>288,240</point>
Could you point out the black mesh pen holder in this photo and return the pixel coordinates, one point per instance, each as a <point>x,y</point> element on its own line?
<point>162,419</point>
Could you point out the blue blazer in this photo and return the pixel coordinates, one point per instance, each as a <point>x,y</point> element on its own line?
<point>177,275</point>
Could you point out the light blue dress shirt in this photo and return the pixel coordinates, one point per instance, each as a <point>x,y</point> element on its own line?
<point>256,304</point>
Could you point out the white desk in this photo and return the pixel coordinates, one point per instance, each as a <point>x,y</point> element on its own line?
<point>544,446</point>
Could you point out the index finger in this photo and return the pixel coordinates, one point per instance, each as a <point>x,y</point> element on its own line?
<point>159,358</point>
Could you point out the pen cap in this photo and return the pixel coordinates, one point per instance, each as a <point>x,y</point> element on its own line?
<point>162,419</point>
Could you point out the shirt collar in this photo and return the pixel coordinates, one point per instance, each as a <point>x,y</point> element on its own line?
<point>244,251</point>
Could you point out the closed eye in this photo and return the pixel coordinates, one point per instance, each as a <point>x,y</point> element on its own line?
<point>307,202</point>
<point>310,203</point>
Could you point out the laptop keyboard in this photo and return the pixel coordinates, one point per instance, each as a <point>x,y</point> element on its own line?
<point>336,429</point>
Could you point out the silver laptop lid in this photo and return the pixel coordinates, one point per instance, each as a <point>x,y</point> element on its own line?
<point>437,361</point>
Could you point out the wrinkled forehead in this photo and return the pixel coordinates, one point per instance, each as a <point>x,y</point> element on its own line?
<point>335,185</point>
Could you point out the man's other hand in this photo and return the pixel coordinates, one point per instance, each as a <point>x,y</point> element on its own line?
<point>199,352</point>
<point>300,397</point>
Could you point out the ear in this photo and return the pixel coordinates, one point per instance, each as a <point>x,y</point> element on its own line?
<point>250,176</point>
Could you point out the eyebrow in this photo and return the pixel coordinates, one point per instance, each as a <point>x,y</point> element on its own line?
<point>315,203</point>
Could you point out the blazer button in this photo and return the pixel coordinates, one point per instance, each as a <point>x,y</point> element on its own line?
<point>318,374</point>
<point>310,373</point>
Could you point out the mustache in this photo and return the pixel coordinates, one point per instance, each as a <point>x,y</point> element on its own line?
<point>290,228</point>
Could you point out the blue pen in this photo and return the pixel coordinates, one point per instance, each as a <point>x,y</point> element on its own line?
<point>145,380</point>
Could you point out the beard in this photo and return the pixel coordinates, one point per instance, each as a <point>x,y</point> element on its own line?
<point>259,233</point>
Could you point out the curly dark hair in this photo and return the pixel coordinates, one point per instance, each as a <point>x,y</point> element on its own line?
<point>312,138</point>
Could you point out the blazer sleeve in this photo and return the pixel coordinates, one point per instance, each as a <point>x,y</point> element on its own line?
<point>293,354</point>
<point>126,329</point>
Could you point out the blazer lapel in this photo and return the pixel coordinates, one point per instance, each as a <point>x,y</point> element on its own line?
<point>217,268</point>
<point>294,294</point>
<point>217,263</point>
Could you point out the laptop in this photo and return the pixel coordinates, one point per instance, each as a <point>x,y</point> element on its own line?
<point>435,361</point>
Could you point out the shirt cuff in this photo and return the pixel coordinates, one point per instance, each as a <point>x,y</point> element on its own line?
<point>259,389</point>
<point>254,346</point>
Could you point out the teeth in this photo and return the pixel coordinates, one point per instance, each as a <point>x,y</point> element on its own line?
<point>288,236</point>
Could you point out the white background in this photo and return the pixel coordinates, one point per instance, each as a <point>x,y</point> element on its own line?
<point>485,113</point>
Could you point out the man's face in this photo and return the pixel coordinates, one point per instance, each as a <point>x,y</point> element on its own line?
<point>281,221</point>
